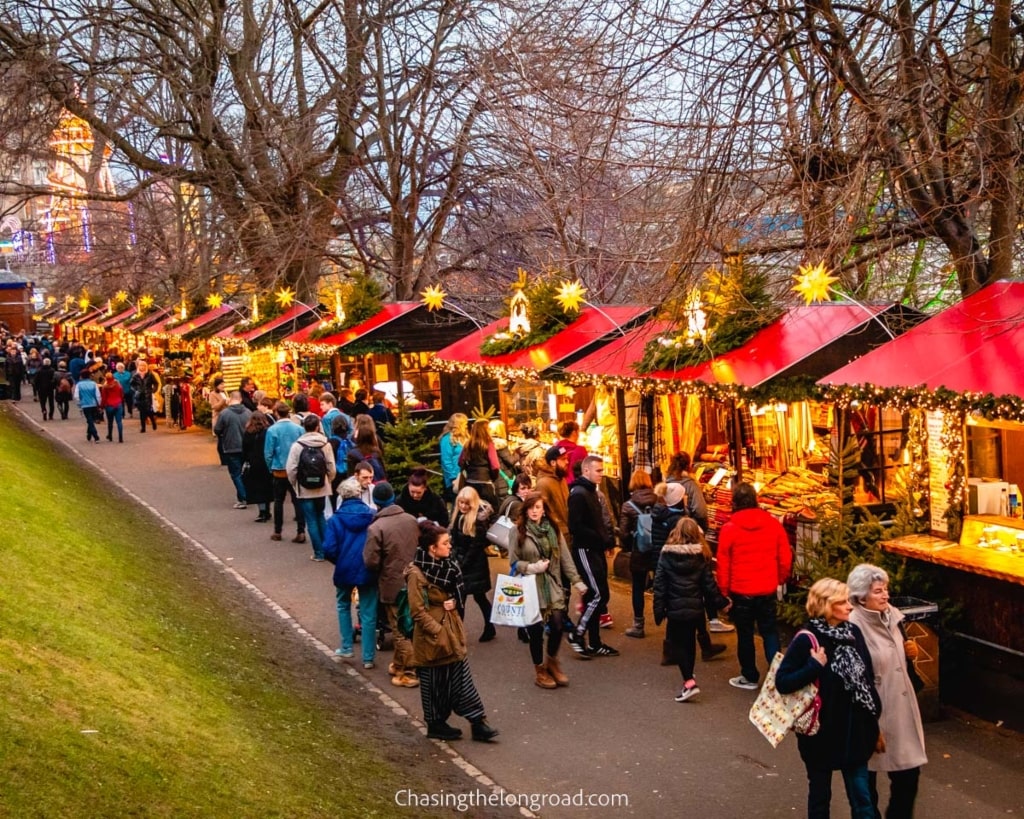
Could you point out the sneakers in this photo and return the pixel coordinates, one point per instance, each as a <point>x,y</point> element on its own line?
<point>342,653</point>
<point>577,644</point>
<point>744,683</point>
<point>405,680</point>
<point>687,693</point>
<point>606,621</point>
<point>718,627</point>
<point>239,505</point>
<point>369,664</point>
<point>604,650</point>
<point>392,670</point>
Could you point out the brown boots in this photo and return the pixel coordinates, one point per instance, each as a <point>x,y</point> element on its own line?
<point>550,674</point>
<point>544,680</point>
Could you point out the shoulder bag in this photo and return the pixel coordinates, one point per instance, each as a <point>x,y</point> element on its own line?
<point>775,714</point>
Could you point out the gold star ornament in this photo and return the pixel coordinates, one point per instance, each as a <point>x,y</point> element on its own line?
<point>284,297</point>
<point>146,302</point>
<point>813,283</point>
<point>120,297</point>
<point>570,295</point>
<point>83,303</point>
<point>214,300</point>
<point>433,297</point>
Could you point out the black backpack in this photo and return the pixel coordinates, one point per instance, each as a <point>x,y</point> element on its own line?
<point>312,469</point>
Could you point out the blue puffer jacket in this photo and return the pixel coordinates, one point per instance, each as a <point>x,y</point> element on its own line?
<point>344,542</point>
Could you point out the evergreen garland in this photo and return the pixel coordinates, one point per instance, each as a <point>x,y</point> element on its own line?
<point>736,305</point>
<point>546,315</point>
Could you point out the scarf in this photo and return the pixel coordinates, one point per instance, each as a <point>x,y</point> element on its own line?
<point>847,664</point>
<point>445,574</point>
<point>544,535</point>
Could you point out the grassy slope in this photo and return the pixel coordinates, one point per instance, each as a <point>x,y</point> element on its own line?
<point>103,628</point>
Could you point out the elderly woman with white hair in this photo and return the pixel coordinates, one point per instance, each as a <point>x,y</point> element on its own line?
<point>901,719</point>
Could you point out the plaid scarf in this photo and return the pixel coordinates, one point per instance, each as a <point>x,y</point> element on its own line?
<point>847,664</point>
<point>445,574</point>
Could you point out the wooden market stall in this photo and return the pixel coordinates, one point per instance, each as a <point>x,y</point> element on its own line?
<point>957,372</point>
<point>529,386</point>
<point>391,351</point>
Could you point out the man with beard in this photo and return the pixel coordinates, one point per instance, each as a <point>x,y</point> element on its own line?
<point>551,473</point>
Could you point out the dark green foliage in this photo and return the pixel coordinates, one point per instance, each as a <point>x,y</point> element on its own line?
<point>410,445</point>
<point>363,301</point>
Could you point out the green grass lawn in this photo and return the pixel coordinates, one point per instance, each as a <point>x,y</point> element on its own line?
<point>136,681</point>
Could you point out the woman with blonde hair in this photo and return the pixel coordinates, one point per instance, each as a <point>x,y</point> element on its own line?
<point>454,437</point>
<point>469,550</point>
<point>891,654</point>
<point>831,652</point>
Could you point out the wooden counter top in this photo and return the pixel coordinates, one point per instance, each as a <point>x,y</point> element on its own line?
<point>988,562</point>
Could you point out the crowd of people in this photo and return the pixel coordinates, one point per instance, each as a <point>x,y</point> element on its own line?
<point>406,563</point>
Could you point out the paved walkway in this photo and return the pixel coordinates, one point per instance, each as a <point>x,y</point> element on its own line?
<point>615,730</point>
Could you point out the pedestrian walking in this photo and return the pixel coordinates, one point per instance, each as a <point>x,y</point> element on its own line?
<point>259,483</point>
<point>754,559</point>
<point>124,378</point>
<point>436,598</point>
<point>683,582</point>
<point>881,623</point>
<point>112,402</point>
<point>63,389</point>
<point>276,447</point>
<point>310,469</point>
<point>454,437</point>
<point>841,666</point>
<point>87,396</point>
<point>480,465</point>
<point>145,386</point>
<point>230,430</point>
<point>469,549</point>
<point>45,382</point>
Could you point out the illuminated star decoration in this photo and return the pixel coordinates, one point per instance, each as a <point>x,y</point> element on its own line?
<point>120,297</point>
<point>214,300</point>
<point>433,297</point>
<point>146,302</point>
<point>570,295</point>
<point>813,283</point>
<point>83,302</point>
<point>284,297</point>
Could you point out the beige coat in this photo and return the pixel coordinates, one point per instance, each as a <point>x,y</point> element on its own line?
<point>901,719</point>
<point>292,465</point>
<point>438,636</point>
<point>549,584</point>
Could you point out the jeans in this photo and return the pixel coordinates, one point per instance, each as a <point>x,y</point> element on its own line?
<point>63,406</point>
<point>283,489</point>
<point>91,415</point>
<point>367,618</point>
<point>234,460</point>
<point>745,612</point>
<point>858,794</point>
<point>902,793</point>
<point>316,524</point>
<point>46,399</point>
<point>114,415</point>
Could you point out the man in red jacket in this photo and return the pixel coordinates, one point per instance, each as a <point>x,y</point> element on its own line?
<point>754,559</point>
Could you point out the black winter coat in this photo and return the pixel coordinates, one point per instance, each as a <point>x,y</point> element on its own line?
<point>586,518</point>
<point>430,506</point>
<point>469,552</point>
<point>45,380</point>
<point>848,733</point>
<point>683,582</point>
<point>259,483</point>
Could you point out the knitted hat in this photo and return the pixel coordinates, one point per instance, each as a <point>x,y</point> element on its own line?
<point>674,494</point>
<point>383,494</point>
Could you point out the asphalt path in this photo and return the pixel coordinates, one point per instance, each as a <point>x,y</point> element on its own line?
<point>614,734</point>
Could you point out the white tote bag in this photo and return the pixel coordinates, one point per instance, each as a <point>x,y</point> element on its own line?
<point>515,601</point>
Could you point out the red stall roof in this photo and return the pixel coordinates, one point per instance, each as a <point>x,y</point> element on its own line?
<point>616,358</point>
<point>159,315</point>
<point>111,322</point>
<point>249,336</point>
<point>592,325</point>
<point>798,334</point>
<point>387,314</point>
<point>973,346</point>
<point>188,325</point>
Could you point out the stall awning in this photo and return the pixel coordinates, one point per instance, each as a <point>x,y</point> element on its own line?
<point>805,341</point>
<point>86,317</point>
<point>110,322</point>
<point>210,316</point>
<point>296,314</point>
<point>593,325</point>
<point>617,358</point>
<point>388,313</point>
<point>160,314</point>
<point>973,346</point>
